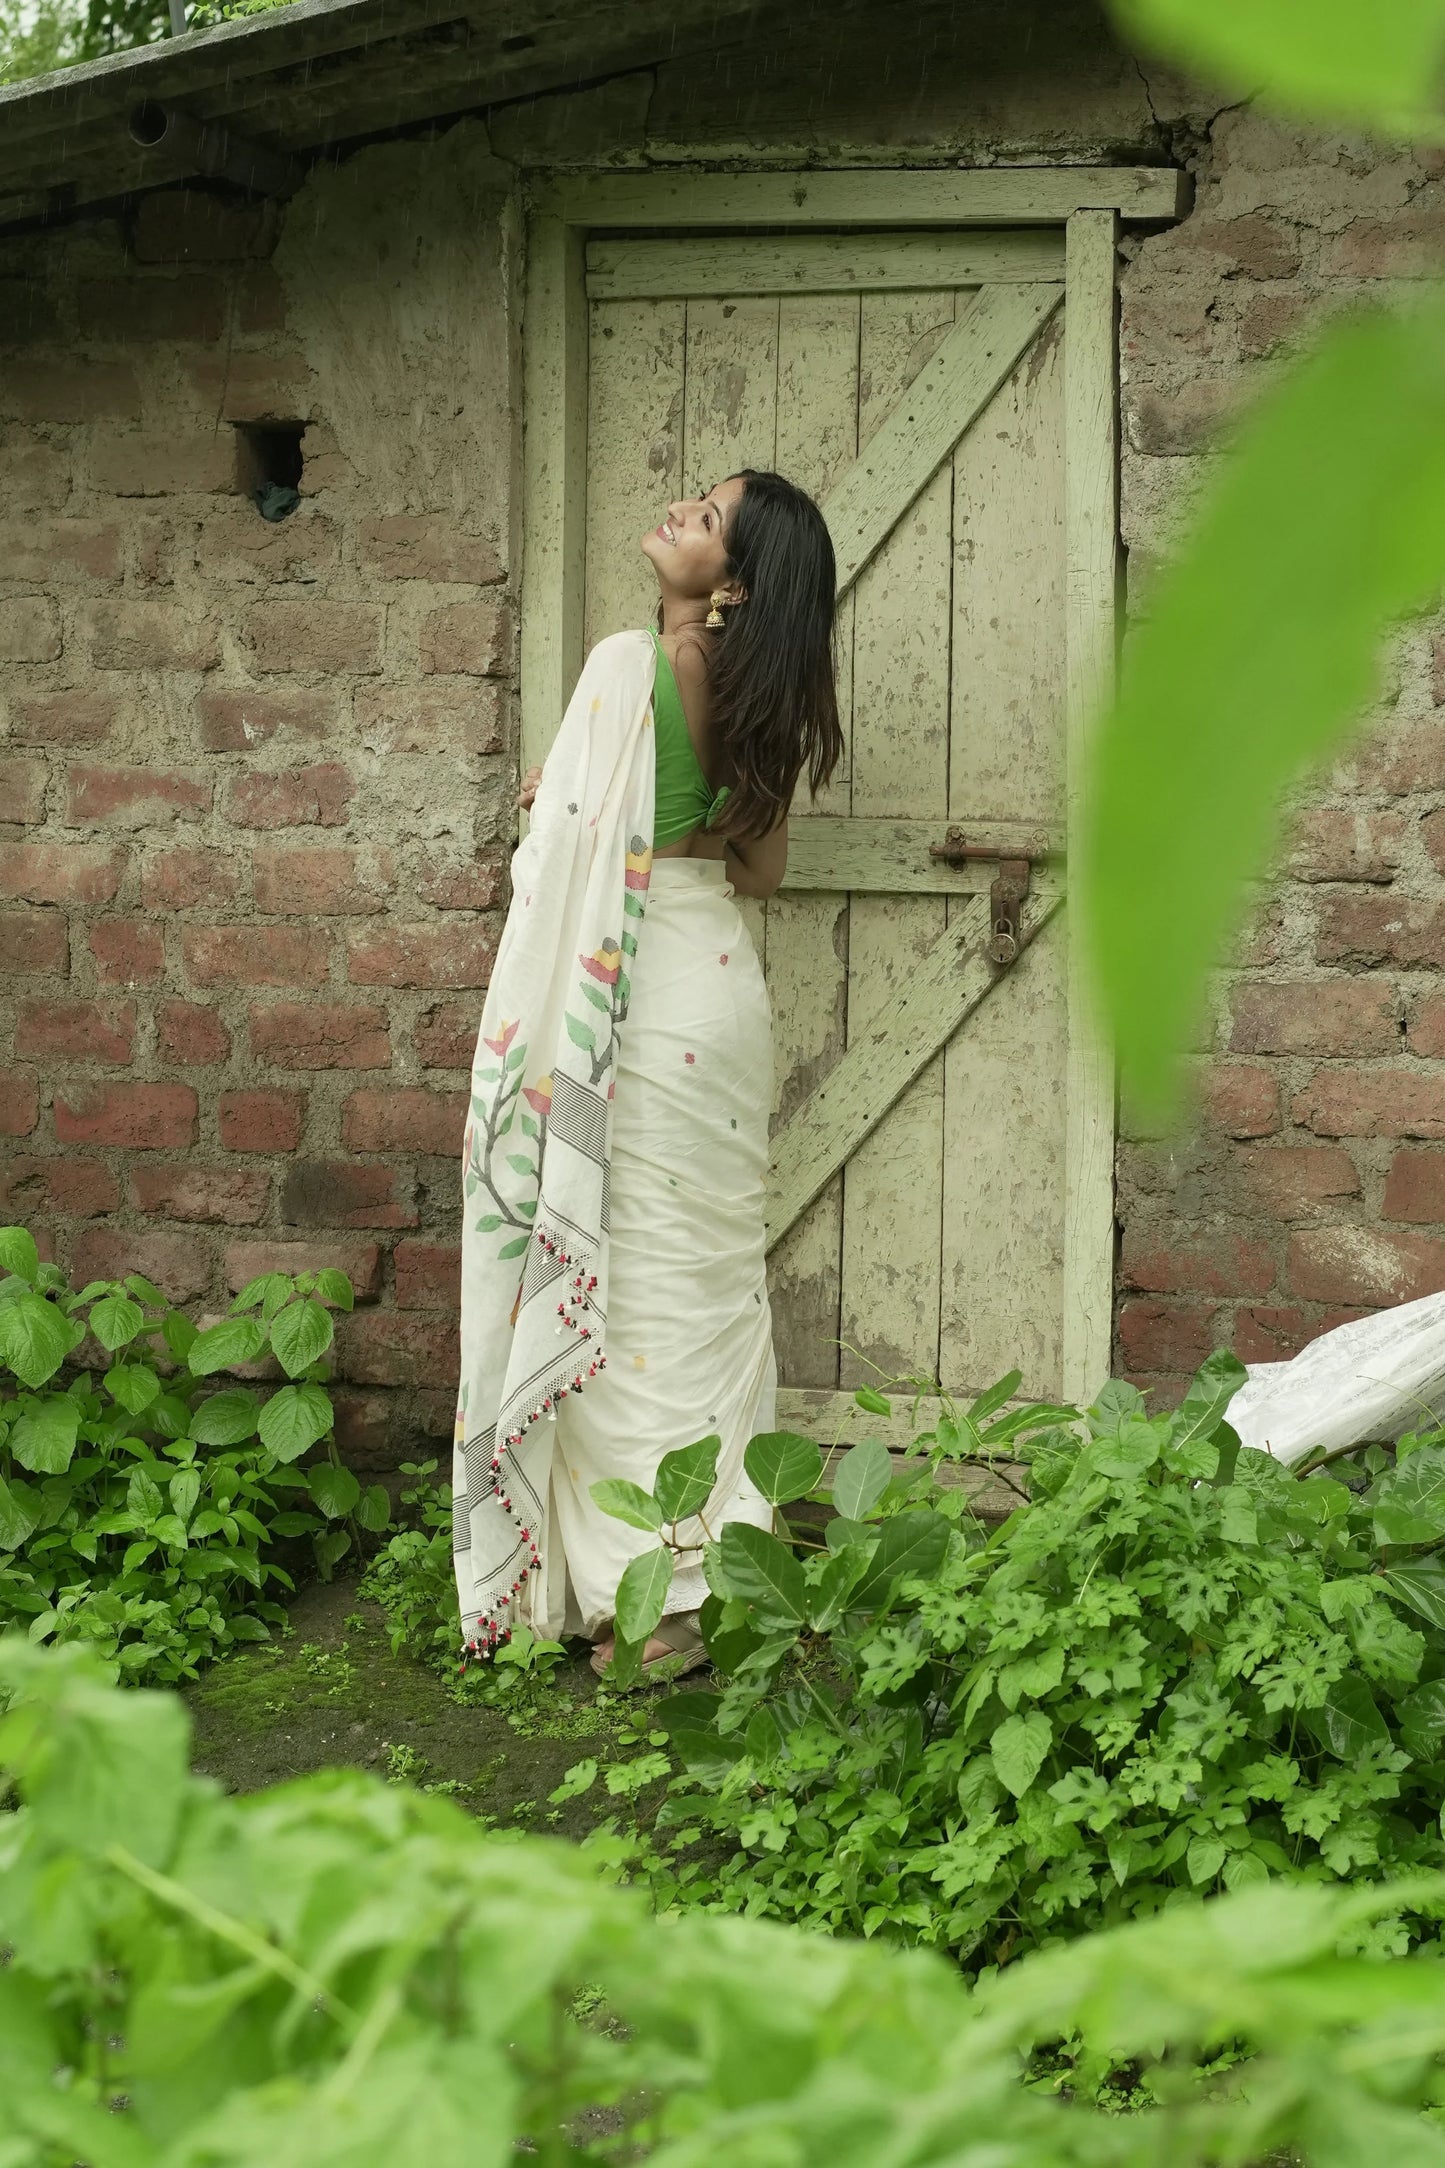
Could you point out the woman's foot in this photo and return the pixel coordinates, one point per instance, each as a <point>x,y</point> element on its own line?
<point>676,1647</point>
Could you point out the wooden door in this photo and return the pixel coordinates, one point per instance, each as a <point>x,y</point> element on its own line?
<point>939,1206</point>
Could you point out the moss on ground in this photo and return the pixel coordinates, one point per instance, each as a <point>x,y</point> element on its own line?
<point>329,1692</point>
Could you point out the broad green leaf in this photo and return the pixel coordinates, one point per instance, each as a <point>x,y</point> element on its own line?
<point>641,1594</point>
<point>20,1510</point>
<point>144,1498</point>
<point>333,1286</point>
<point>763,1570</point>
<point>138,1284</point>
<point>1350,1721</point>
<point>861,1477</point>
<point>1422,1586</point>
<point>1238,1514</point>
<point>373,1510</point>
<point>1377,66</point>
<point>132,1385</point>
<point>18,1253</point>
<point>829,1595</point>
<point>185,1490</point>
<point>628,1502</point>
<point>267,1286</point>
<point>871,1402</point>
<point>1019,1748</point>
<point>43,1439</point>
<point>1421,1720</point>
<point>1129,1453</point>
<point>1409,1503</point>
<point>1201,1411</point>
<point>115,1320</point>
<point>300,1334</point>
<point>335,1490</point>
<point>227,1418</point>
<point>330,1547</point>
<point>686,1479</point>
<point>234,1340</point>
<point>985,1405</point>
<point>839,1533</point>
<point>911,1546</point>
<point>1259,652</point>
<point>34,1337</point>
<point>1118,1403</point>
<point>693,1711</point>
<point>783,1466</point>
<point>1203,1860</point>
<point>295,1417</point>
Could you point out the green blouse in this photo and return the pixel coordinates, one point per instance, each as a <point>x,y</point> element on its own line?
<point>684,801</point>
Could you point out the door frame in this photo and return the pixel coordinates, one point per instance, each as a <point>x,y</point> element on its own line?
<point>1089,203</point>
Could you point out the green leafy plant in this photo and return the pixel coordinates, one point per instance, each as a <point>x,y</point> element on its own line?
<point>345,1970</point>
<point>139,1508</point>
<point>1181,1667</point>
<point>411,1575</point>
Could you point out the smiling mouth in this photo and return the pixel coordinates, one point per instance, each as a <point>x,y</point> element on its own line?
<point>665,530</point>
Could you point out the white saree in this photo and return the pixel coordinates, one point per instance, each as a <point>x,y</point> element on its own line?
<point>613,1302</point>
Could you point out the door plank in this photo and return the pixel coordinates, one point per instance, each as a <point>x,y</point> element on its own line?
<point>554,480</point>
<point>820,263</point>
<point>1091,528</point>
<point>939,994</point>
<point>860,196</point>
<point>890,857</point>
<point>939,406</point>
<point>635,407</point>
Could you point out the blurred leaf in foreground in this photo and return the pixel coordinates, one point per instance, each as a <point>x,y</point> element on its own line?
<point>1380,63</point>
<point>1258,655</point>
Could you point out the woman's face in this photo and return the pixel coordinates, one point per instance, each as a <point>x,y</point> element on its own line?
<point>687,549</point>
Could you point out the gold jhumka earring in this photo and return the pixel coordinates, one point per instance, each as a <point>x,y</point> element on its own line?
<point>714,615</point>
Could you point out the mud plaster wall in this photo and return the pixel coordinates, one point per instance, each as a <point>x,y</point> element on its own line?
<point>256,782</point>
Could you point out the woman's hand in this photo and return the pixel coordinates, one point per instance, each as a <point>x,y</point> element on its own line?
<point>528,791</point>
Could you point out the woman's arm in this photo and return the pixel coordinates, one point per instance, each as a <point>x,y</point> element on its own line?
<point>757,864</point>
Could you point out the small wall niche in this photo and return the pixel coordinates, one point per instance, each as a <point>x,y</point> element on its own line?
<point>268,466</point>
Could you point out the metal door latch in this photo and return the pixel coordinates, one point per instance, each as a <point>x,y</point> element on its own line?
<point>1007,893</point>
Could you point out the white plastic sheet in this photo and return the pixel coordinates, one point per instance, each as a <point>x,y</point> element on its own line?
<point>1377,1377</point>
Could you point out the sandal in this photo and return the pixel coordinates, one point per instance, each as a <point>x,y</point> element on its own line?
<point>686,1649</point>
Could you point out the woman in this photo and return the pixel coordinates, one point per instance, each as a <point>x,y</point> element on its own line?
<point>614,1305</point>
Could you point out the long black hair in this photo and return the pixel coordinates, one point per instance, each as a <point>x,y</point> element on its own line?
<point>774,702</point>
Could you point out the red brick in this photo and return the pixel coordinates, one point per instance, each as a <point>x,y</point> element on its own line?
<point>1269,1335</point>
<point>141,1117</point>
<point>1220,1263</point>
<point>445,1037</point>
<point>19,1102</point>
<point>1291,1181</point>
<point>224,1196</point>
<point>69,1030</point>
<point>1432,831</point>
<point>241,387</point>
<point>191,306</point>
<point>22,790</point>
<point>237,544</point>
<point>1400,761</point>
<point>1266,322</point>
<point>404,1121</point>
<point>61,872</point>
<point>421,955</point>
<point>321,882</point>
<point>127,952</point>
<point>261,1121</point>
<point>62,719</point>
<point>342,637</point>
<point>1192,419</point>
<point>1415,1187</point>
<point>1165,1336</point>
<point>29,629</point>
<point>1242,1101</point>
<point>78,1188</point>
<point>1364,1265</point>
<point>435,715</point>
<point>55,551</point>
<point>402,547</point>
<point>475,886</point>
<point>1408,245</point>
<point>233,721</point>
<point>345,1193</point>
<point>1437,673</point>
<point>32,941</point>
<point>256,955</point>
<point>381,1347</point>
<point>136,797</point>
<point>1256,244</point>
<point>145,463</point>
<point>34,475</point>
<point>1375,930</point>
<point>1373,1103</point>
<point>175,880</point>
<point>360,1261</point>
<point>184,225</point>
<point>57,390</point>
<point>317,797</point>
<point>320,1035</point>
<point>428,1276</point>
<point>179,1264</point>
<point>1329,844</point>
<point>468,639</point>
<point>169,635</point>
<point>192,1034</point>
<point>1427,1028</point>
<point>1322,1016</point>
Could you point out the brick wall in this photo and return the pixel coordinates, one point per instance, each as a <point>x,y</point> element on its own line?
<point>1312,1186</point>
<point>255,779</point>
